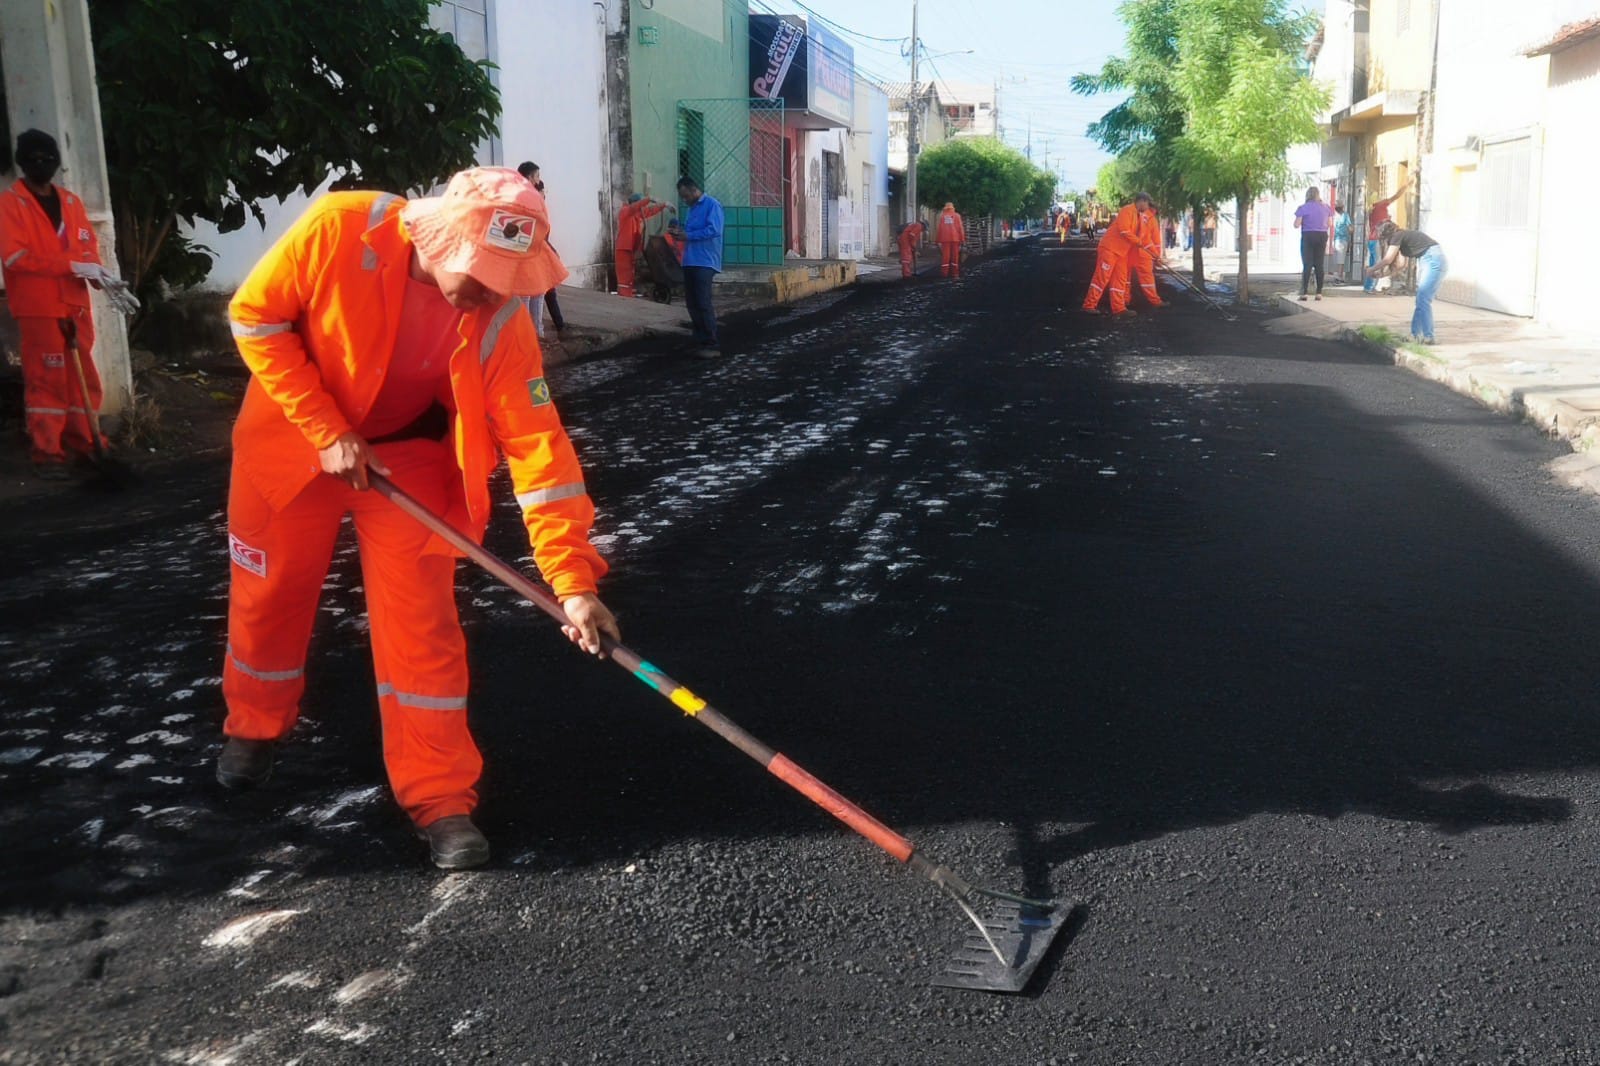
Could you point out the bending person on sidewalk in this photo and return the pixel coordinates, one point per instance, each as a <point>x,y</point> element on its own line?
<point>910,237</point>
<point>387,335</point>
<point>630,238</point>
<point>1431,269</point>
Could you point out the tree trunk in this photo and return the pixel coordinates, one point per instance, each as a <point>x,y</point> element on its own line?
<point>1197,227</point>
<point>1241,219</point>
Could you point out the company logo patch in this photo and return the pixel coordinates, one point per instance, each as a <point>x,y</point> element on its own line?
<point>511,230</point>
<point>246,557</point>
<point>55,360</point>
<point>538,391</point>
<point>83,234</point>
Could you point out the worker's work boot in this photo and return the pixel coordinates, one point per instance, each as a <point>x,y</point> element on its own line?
<point>455,843</point>
<point>245,763</point>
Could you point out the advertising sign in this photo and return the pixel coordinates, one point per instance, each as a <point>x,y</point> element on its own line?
<point>777,59</point>
<point>806,68</point>
<point>832,76</point>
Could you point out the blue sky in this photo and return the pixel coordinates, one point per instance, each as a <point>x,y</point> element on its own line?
<point>1031,47</point>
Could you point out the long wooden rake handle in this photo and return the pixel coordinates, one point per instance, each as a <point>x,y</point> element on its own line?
<point>775,762</point>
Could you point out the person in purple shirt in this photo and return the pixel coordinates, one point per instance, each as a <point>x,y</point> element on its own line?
<point>1311,219</point>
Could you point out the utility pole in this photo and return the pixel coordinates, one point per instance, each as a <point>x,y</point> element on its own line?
<point>997,130</point>
<point>914,105</point>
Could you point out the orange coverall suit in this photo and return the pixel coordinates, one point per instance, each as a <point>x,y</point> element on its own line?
<point>316,322</point>
<point>910,237</point>
<point>1142,258</point>
<point>42,290</point>
<point>630,239</point>
<point>952,233</point>
<point>1111,261</point>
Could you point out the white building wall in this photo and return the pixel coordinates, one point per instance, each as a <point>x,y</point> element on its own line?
<point>552,84</point>
<point>1566,296</point>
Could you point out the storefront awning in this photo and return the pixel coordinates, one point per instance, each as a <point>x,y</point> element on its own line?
<point>1364,114</point>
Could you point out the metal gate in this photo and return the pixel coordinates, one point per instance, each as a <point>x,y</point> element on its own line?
<point>1506,256</point>
<point>735,149</point>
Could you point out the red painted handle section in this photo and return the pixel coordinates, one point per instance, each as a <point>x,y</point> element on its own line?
<point>848,813</point>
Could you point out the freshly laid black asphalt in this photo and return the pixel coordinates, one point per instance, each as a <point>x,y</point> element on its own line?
<point>1273,660</point>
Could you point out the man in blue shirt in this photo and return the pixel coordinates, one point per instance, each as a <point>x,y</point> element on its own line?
<point>702,262</point>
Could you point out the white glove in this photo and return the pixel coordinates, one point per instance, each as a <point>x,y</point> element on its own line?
<point>88,271</point>
<point>122,299</point>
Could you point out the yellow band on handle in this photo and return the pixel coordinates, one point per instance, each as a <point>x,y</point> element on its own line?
<point>687,701</point>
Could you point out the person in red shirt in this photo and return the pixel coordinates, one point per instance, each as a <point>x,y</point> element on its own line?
<point>1377,215</point>
<point>910,237</point>
<point>630,237</point>
<point>51,257</point>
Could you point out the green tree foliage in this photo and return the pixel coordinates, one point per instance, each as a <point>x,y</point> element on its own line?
<point>1040,195</point>
<point>210,108</point>
<point>1246,96</point>
<point>979,175</point>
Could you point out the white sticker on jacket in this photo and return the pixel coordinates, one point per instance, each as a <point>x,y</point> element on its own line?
<point>246,557</point>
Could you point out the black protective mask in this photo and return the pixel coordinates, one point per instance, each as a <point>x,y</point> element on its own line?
<point>38,167</point>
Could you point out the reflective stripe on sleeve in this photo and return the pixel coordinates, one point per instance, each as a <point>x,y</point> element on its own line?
<point>15,256</point>
<point>491,336</point>
<point>551,494</point>
<point>426,703</point>
<point>46,410</point>
<point>258,329</point>
<point>263,675</point>
<point>380,207</point>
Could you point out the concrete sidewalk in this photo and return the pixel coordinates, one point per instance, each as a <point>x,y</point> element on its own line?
<point>1529,371</point>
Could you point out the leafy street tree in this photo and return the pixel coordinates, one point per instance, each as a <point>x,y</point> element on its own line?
<point>1147,130</point>
<point>1040,195</point>
<point>1246,97</point>
<point>981,176</point>
<point>210,108</point>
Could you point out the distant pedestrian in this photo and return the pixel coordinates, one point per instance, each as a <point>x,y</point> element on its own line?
<point>1377,215</point>
<point>702,262</point>
<point>910,236</point>
<point>538,305</point>
<point>951,235</point>
<point>1063,226</point>
<point>1341,243</point>
<point>1431,269</point>
<point>630,238</point>
<point>1312,219</point>
<point>1172,233</point>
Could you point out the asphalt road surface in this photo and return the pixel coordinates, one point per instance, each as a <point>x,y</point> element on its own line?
<point>1274,660</point>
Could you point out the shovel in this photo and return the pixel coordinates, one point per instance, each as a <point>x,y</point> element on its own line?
<point>1003,952</point>
<point>1192,287</point>
<point>111,472</point>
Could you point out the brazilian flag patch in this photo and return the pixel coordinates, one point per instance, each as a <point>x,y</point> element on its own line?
<point>538,391</point>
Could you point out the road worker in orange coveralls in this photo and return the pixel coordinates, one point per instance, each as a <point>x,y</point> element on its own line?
<point>630,237</point>
<point>1143,258</point>
<point>951,233</point>
<point>910,237</point>
<point>50,257</point>
<point>388,335</point>
<point>1063,226</point>
<point>1118,243</point>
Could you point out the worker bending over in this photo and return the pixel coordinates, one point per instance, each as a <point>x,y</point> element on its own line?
<point>388,335</point>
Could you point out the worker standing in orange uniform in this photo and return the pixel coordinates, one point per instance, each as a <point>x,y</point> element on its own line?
<point>1120,240</point>
<point>951,233</point>
<point>630,236</point>
<point>1143,258</point>
<point>910,237</point>
<point>51,256</point>
<point>389,336</point>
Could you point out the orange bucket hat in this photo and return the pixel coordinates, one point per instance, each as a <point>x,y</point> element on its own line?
<point>492,224</point>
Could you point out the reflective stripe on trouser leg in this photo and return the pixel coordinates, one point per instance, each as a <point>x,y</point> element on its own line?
<point>418,649</point>
<point>625,272</point>
<point>1146,271</point>
<point>1104,268</point>
<point>46,391</point>
<point>277,561</point>
<point>1119,286</point>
